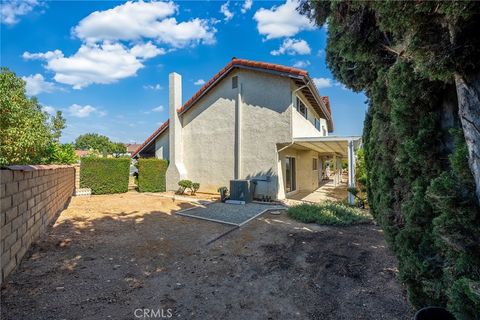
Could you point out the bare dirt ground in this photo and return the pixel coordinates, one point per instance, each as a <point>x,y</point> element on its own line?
<point>107,256</point>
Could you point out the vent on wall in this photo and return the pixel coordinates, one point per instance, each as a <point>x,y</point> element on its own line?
<point>235,82</point>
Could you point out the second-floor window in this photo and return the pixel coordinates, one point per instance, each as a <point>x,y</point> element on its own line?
<point>317,124</point>
<point>302,108</point>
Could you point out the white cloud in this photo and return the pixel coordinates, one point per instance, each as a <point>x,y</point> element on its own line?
<point>301,64</point>
<point>39,56</point>
<point>158,109</point>
<point>146,50</point>
<point>117,41</point>
<point>199,82</point>
<point>95,63</point>
<point>281,21</point>
<point>155,87</point>
<point>11,9</point>
<point>136,20</point>
<point>323,82</point>
<point>292,47</point>
<point>247,5</point>
<point>226,12</point>
<point>48,109</point>
<point>36,84</point>
<point>79,111</point>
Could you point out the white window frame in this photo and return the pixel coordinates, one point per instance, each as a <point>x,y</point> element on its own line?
<point>297,106</point>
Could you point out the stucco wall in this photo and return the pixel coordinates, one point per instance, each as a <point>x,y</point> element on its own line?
<point>305,127</point>
<point>209,138</point>
<point>30,197</point>
<point>266,121</point>
<point>209,131</point>
<point>306,178</point>
<point>162,146</point>
<point>301,127</point>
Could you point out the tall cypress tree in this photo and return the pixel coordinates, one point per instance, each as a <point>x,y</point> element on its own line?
<point>419,65</point>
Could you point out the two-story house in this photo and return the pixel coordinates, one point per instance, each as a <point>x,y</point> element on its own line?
<point>252,120</point>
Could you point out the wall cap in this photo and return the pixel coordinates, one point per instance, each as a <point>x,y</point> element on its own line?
<point>37,167</point>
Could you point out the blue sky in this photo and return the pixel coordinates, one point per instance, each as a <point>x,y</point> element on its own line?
<point>105,64</point>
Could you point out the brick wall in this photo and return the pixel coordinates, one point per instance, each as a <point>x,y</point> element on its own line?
<point>30,197</point>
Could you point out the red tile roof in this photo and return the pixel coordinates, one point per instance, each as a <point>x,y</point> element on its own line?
<point>234,63</point>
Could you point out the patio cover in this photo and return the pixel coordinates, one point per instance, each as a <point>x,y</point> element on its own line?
<point>343,147</point>
<point>330,145</point>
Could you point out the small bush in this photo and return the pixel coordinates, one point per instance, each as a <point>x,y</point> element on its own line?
<point>195,187</point>
<point>105,175</point>
<point>184,184</point>
<point>329,213</point>
<point>151,175</point>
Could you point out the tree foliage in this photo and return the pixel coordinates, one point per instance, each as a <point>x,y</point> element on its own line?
<point>100,143</point>
<point>405,57</point>
<point>27,135</point>
<point>58,124</point>
<point>24,131</point>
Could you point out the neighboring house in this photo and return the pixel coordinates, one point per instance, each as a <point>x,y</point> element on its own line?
<point>132,147</point>
<point>81,153</point>
<point>252,120</point>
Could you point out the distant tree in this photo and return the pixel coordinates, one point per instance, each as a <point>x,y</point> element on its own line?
<point>24,131</point>
<point>118,148</point>
<point>93,141</point>
<point>58,124</point>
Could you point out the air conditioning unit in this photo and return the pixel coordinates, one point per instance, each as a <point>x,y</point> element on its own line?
<point>240,190</point>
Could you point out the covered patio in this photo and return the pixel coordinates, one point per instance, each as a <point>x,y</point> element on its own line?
<point>314,181</point>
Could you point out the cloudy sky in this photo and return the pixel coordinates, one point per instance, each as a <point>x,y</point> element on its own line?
<point>106,64</point>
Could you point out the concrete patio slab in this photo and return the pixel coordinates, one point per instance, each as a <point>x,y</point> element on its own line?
<point>232,214</point>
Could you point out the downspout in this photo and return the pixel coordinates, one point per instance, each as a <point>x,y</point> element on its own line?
<point>238,134</point>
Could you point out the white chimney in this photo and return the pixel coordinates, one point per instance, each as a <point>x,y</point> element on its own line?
<point>176,170</point>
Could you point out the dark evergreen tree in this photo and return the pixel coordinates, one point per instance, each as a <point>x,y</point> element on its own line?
<point>419,65</point>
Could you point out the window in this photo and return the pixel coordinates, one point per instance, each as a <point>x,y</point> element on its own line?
<point>315,164</point>
<point>317,124</point>
<point>234,82</point>
<point>302,108</point>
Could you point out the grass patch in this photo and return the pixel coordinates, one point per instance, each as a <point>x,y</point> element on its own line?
<point>329,213</point>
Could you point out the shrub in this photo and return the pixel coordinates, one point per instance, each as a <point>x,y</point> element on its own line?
<point>151,175</point>
<point>105,175</point>
<point>61,154</point>
<point>184,184</point>
<point>195,187</point>
<point>329,213</point>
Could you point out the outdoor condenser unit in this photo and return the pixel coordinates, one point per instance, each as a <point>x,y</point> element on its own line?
<point>240,190</point>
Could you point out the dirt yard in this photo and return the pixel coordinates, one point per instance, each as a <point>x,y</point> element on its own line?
<point>113,257</point>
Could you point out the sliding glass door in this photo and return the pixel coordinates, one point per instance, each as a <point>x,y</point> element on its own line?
<point>290,174</point>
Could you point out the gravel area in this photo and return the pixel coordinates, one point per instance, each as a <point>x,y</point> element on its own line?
<point>233,214</point>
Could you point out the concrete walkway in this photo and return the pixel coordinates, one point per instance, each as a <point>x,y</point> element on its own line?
<point>327,191</point>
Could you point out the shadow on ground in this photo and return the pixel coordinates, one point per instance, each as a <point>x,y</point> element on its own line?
<point>107,256</point>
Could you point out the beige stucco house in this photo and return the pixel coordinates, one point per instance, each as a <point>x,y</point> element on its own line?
<point>252,120</point>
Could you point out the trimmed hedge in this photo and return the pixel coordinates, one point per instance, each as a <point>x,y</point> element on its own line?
<point>151,175</point>
<point>105,175</point>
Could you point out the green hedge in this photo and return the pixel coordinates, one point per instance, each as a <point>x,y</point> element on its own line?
<point>151,175</point>
<point>105,175</point>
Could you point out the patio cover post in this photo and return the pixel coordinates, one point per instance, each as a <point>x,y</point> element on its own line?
<point>351,171</point>
<point>334,169</point>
